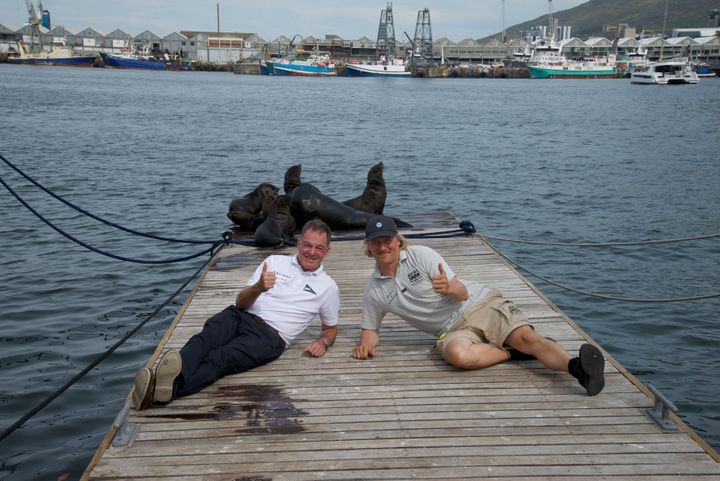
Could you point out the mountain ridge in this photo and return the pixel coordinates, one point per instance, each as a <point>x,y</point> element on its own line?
<point>587,19</point>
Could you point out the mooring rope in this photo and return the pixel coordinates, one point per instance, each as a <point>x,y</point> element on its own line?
<point>93,216</point>
<point>103,356</point>
<point>604,296</point>
<point>210,249</point>
<point>603,244</point>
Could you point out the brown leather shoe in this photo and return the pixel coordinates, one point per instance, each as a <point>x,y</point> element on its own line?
<point>143,389</point>
<point>168,369</point>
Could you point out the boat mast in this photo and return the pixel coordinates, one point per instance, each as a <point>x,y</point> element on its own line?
<point>551,29</point>
<point>662,38</point>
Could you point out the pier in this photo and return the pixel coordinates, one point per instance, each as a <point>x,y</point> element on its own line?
<point>404,414</point>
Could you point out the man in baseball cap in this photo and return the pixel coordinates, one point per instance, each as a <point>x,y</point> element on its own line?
<point>474,324</point>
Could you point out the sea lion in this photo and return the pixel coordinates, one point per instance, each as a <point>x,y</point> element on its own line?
<point>307,202</point>
<point>247,211</point>
<point>277,229</point>
<point>373,197</point>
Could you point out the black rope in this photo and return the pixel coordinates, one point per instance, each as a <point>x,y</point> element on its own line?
<point>604,296</point>
<point>602,244</point>
<point>101,358</point>
<point>104,221</point>
<point>102,252</point>
<point>466,228</point>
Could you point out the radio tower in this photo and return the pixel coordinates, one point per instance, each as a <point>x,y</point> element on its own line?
<point>422,46</point>
<point>386,34</point>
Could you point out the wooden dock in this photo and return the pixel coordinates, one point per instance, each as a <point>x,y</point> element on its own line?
<point>404,414</point>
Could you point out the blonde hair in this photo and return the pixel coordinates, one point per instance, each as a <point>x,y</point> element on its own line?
<point>404,243</point>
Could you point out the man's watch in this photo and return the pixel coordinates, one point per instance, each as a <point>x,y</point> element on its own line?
<point>326,342</point>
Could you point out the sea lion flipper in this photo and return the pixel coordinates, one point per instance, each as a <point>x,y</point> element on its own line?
<point>402,223</point>
<point>372,199</point>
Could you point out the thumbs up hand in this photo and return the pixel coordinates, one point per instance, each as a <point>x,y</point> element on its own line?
<point>440,281</point>
<point>267,279</point>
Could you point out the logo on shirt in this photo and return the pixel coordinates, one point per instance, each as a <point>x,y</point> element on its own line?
<point>414,277</point>
<point>309,289</point>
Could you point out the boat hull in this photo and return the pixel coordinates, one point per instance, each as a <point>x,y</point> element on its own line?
<point>375,70</point>
<point>295,70</point>
<point>74,61</point>
<point>116,61</point>
<point>665,73</point>
<point>546,72</point>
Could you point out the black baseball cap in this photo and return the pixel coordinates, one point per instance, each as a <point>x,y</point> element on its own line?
<point>380,226</point>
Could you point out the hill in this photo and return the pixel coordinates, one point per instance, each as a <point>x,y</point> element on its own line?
<point>587,19</point>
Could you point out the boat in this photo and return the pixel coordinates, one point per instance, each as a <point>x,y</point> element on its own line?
<point>56,54</point>
<point>387,65</point>
<point>382,68</point>
<point>631,61</point>
<point>548,61</point>
<point>676,70</point>
<point>316,65</point>
<point>132,60</point>
<point>702,69</point>
<point>265,67</point>
<point>665,72</point>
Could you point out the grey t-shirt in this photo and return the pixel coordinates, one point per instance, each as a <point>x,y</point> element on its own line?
<point>410,295</point>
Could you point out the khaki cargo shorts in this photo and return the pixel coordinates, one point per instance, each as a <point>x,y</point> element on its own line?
<point>489,321</point>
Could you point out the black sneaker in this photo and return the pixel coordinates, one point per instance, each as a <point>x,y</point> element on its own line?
<point>591,373</point>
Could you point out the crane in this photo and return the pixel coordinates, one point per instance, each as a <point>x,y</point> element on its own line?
<point>34,22</point>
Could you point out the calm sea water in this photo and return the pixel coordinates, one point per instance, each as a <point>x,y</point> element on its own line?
<point>165,152</point>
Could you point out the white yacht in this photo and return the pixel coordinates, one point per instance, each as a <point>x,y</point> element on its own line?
<point>672,71</point>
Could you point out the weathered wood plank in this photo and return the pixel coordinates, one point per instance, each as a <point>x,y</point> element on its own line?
<point>405,414</point>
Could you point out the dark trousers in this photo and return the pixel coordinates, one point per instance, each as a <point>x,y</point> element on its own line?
<point>230,342</point>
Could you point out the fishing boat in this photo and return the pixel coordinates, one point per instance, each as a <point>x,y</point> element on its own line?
<point>132,60</point>
<point>316,65</point>
<point>702,69</point>
<point>56,54</point>
<point>676,71</point>
<point>548,61</point>
<point>382,68</point>
<point>387,65</point>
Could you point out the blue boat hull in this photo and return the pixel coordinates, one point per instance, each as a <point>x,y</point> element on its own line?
<point>122,62</point>
<point>84,61</point>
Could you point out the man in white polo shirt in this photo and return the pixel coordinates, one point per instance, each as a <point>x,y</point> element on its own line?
<point>281,298</point>
<point>476,327</point>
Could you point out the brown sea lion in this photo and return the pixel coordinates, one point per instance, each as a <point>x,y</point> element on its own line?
<point>247,211</point>
<point>373,197</point>
<point>307,202</point>
<point>278,228</point>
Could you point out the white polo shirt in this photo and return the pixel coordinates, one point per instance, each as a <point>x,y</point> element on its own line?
<point>410,295</point>
<point>296,297</point>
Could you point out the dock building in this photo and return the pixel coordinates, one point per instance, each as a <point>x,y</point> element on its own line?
<point>702,44</point>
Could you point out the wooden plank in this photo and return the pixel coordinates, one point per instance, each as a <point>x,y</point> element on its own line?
<point>404,414</point>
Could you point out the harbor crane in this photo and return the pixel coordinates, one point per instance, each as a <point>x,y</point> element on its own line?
<point>386,34</point>
<point>34,23</point>
<point>422,55</point>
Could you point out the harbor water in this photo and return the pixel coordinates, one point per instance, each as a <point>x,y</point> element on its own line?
<point>165,153</point>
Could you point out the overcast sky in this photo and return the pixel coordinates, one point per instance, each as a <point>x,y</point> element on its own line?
<point>454,19</point>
